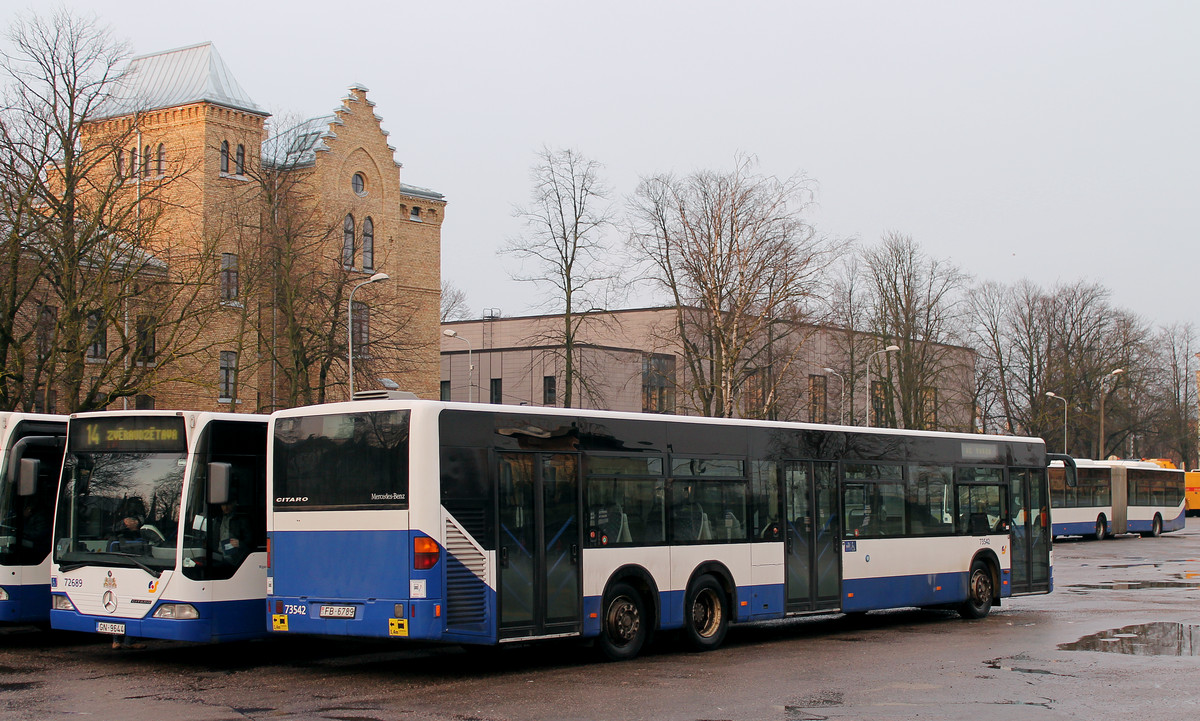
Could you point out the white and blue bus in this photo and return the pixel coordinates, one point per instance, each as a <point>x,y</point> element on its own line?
<point>160,529</point>
<point>35,442</point>
<point>1117,496</point>
<point>477,524</point>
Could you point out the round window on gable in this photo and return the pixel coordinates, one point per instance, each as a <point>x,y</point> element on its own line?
<point>359,184</point>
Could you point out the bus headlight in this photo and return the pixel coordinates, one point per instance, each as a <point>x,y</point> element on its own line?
<point>179,611</point>
<point>3,595</point>
<point>62,603</point>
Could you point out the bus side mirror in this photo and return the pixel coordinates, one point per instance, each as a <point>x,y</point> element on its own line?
<point>28,475</point>
<point>1069,474</point>
<point>218,483</point>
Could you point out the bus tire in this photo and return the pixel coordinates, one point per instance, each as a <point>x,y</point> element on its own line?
<point>981,586</point>
<point>623,628</point>
<point>1101,528</point>
<point>1155,527</point>
<point>705,614</point>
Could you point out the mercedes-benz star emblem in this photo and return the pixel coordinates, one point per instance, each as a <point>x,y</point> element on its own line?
<point>110,601</point>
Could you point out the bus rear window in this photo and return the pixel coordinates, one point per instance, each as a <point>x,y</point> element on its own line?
<point>343,461</point>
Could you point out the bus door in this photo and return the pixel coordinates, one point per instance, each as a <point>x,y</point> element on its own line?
<point>1030,530</point>
<point>813,566</point>
<point>538,546</point>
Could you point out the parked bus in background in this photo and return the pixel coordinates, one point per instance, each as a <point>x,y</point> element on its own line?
<point>480,524</point>
<point>1117,496</point>
<point>35,442</point>
<point>160,530</point>
<point>1191,495</point>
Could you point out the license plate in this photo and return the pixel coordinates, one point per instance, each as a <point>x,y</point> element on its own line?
<point>337,612</point>
<point>106,627</point>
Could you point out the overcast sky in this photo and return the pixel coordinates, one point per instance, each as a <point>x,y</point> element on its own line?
<point>1049,140</point>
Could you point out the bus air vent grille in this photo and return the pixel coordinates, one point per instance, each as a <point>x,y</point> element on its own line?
<point>466,592</point>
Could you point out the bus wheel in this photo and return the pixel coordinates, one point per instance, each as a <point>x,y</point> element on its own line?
<point>1155,527</point>
<point>980,588</point>
<point>624,629</point>
<point>706,617</point>
<point>1101,528</point>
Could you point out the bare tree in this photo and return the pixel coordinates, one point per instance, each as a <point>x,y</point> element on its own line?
<point>737,259</point>
<point>87,228</point>
<point>564,242</point>
<point>915,302</point>
<point>454,302</point>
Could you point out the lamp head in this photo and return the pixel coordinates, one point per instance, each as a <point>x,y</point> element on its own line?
<point>378,277</point>
<point>1052,394</point>
<point>450,333</point>
<point>892,348</point>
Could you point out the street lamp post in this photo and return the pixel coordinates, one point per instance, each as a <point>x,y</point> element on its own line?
<point>842,395</point>
<point>350,324</point>
<point>870,403</point>
<point>1103,390</point>
<point>450,333</point>
<point>1052,394</point>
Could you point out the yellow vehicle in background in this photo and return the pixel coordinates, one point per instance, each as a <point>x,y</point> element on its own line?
<point>1191,493</point>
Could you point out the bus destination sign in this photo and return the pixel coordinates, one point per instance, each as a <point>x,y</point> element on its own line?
<point>148,433</point>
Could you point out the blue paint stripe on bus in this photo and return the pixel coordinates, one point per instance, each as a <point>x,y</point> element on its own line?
<point>903,591</point>
<point>328,563</point>
<point>218,621</point>
<point>26,604</point>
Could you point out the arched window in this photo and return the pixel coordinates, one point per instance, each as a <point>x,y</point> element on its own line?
<point>146,162</point>
<point>224,156</point>
<point>241,159</point>
<point>348,242</point>
<point>120,162</point>
<point>133,162</point>
<point>162,160</point>
<point>368,244</point>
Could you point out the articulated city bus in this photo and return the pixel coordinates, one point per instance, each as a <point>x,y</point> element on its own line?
<point>36,442</point>
<point>160,530</point>
<point>478,524</point>
<point>1117,496</point>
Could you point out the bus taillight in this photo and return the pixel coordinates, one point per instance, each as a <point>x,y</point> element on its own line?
<point>425,553</point>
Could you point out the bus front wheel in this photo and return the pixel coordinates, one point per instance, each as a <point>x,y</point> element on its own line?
<point>624,630</point>
<point>706,615</point>
<point>980,588</point>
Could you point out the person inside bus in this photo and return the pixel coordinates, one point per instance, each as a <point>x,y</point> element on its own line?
<point>233,533</point>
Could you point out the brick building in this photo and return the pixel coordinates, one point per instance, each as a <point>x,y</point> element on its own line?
<point>285,224</point>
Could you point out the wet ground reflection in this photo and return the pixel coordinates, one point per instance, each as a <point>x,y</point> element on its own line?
<point>1147,639</point>
<point>1133,585</point>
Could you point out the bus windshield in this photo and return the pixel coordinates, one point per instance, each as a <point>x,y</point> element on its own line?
<point>120,492</point>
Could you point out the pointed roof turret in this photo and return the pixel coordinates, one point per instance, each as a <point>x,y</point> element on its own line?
<point>178,77</point>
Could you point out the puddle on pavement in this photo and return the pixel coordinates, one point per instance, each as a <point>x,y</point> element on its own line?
<point>1133,585</point>
<point>1147,639</point>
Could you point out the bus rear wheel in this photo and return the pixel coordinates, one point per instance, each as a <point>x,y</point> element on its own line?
<point>706,615</point>
<point>1155,527</point>
<point>980,588</point>
<point>1101,528</point>
<point>623,631</point>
